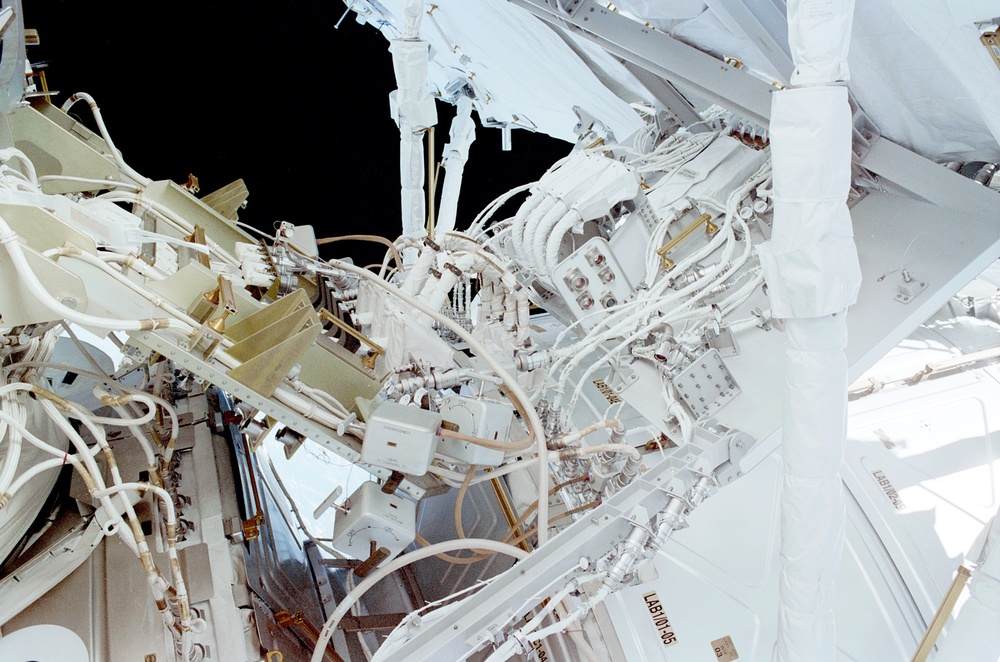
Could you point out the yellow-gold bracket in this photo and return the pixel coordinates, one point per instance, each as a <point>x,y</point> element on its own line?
<point>991,40</point>
<point>198,237</point>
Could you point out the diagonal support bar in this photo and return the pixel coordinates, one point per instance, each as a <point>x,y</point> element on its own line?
<point>685,66</point>
<point>918,177</point>
<point>665,94</point>
<point>763,25</point>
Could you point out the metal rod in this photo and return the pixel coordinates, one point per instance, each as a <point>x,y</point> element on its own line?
<point>508,510</point>
<point>360,337</point>
<point>943,612</point>
<point>287,619</point>
<point>431,182</point>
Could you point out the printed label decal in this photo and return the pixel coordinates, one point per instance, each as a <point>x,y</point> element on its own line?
<point>540,651</point>
<point>889,490</point>
<point>660,621</point>
<point>725,649</point>
<point>606,391</point>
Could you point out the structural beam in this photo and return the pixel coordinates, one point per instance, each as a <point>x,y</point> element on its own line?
<point>906,172</point>
<point>12,61</point>
<point>659,55</point>
<point>765,26</point>
<point>371,622</point>
<point>665,94</point>
<point>684,66</point>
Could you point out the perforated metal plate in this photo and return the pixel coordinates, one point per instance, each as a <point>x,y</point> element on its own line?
<point>707,385</point>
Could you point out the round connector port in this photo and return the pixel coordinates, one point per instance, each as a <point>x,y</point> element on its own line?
<point>609,301</point>
<point>585,301</point>
<point>577,281</point>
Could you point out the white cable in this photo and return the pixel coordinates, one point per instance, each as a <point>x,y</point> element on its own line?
<point>112,150</point>
<point>723,268</point>
<point>162,494</point>
<point>14,437</point>
<point>400,562</point>
<point>516,392</point>
<point>105,183</point>
<point>29,168</point>
<point>512,645</point>
<point>169,216</point>
<point>27,276</point>
<point>545,217</point>
<point>483,477</point>
<point>537,204</point>
<point>132,261</point>
<point>484,216</point>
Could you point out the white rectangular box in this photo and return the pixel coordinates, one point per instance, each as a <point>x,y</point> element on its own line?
<point>480,418</point>
<point>388,520</point>
<point>401,438</point>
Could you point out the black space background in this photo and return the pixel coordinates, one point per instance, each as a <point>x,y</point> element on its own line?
<point>266,91</point>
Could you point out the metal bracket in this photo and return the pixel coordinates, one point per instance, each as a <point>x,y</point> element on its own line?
<point>391,485</point>
<point>369,564</point>
<point>196,237</point>
<point>707,385</point>
<point>340,563</point>
<point>722,340</point>
<point>147,342</point>
<point>908,288</point>
<point>251,527</point>
<point>991,40</point>
<point>567,8</point>
<point>286,619</point>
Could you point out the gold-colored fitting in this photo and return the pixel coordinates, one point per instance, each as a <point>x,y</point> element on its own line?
<point>224,301</point>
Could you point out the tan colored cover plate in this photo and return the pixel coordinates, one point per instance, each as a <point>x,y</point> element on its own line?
<point>725,649</point>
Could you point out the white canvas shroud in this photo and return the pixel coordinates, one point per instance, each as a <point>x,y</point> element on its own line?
<point>812,271</point>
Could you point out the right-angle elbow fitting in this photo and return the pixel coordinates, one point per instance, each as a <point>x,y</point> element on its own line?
<point>662,351</point>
